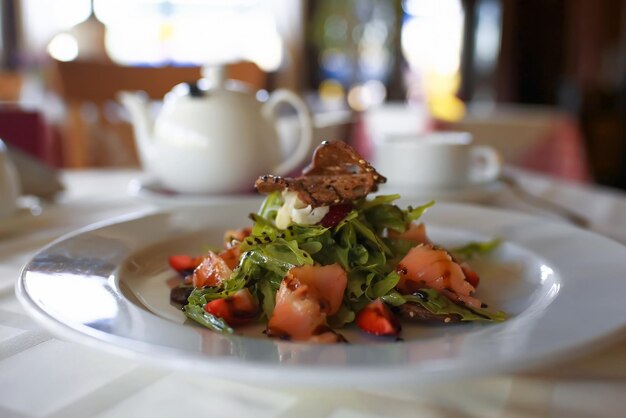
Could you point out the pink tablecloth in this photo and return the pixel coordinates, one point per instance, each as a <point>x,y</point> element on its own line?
<point>561,153</point>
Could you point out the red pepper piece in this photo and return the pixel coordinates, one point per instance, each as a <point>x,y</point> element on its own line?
<point>184,264</point>
<point>376,318</point>
<point>238,309</point>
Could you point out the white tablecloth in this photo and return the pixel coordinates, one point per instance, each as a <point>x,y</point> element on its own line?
<point>43,376</point>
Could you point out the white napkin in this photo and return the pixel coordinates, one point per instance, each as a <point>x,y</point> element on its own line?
<point>36,178</point>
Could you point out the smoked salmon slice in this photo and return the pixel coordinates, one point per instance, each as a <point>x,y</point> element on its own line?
<point>306,297</point>
<point>428,266</point>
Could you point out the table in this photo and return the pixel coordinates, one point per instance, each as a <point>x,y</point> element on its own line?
<point>43,376</point>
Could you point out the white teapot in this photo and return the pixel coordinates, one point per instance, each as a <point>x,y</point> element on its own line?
<point>214,136</point>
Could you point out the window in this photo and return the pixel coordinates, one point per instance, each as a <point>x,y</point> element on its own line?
<point>152,32</point>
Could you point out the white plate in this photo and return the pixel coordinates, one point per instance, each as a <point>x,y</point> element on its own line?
<point>474,193</point>
<point>106,287</point>
<point>152,191</point>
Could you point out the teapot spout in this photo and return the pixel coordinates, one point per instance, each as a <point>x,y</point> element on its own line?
<point>143,124</point>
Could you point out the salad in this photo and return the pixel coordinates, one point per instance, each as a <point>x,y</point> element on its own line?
<point>320,255</point>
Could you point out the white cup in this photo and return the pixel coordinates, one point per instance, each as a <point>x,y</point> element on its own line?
<point>9,185</point>
<point>438,160</point>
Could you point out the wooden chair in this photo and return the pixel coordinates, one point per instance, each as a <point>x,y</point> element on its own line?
<point>10,86</point>
<point>94,134</point>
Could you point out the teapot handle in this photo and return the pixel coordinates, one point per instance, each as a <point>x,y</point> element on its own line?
<point>306,128</point>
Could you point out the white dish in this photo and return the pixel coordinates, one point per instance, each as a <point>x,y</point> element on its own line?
<point>105,286</point>
<point>152,191</point>
<point>474,193</point>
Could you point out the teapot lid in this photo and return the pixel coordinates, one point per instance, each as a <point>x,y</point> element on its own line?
<point>214,77</point>
<point>214,74</point>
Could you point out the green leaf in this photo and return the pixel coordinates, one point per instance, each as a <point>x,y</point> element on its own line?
<point>341,255</point>
<point>413,214</point>
<point>287,252</point>
<point>202,295</point>
<point>311,247</point>
<point>345,234</point>
<point>268,293</point>
<point>356,284</point>
<point>378,200</point>
<point>359,254</point>
<point>474,248</point>
<point>393,298</point>
<point>385,285</point>
<point>353,214</point>
<point>399,247</point>
<point>270,205</point>
<point>277,257</point>
<point>441,305</point>
<point>198,314</point>
<point>383,217</point>
<point>263,231</point>
<point>303,233</point>
<point>344,316</point>
<point>375,241</point>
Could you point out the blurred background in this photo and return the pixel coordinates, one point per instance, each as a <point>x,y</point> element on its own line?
<point>542,80</point>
